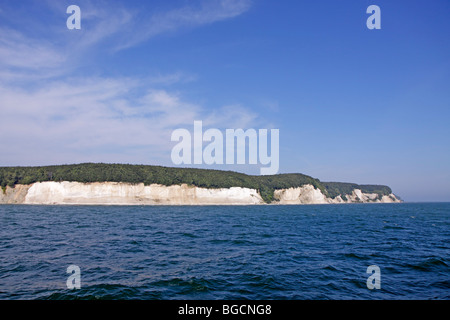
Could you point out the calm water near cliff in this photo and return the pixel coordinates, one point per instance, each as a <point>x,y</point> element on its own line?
<point>226,252</point>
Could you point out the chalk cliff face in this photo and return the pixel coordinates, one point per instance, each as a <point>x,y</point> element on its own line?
<point>115,193</point>
<point>14,195</point>
<point>304,195</point>
<point>309,195</point>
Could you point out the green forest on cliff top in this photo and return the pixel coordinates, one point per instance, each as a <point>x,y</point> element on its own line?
<point>206,178</point>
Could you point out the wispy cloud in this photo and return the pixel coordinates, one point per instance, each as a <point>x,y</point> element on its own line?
<point>195,14</point>
<point>17,50</point>
<point>169,79</point>
<point>101,114</point>
<point>103,25</point>
<point>50,114</point>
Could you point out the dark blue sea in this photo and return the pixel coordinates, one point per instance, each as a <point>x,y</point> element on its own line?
<point>226,252</point>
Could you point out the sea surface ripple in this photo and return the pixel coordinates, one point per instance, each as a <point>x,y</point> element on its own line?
<point>226,252</point>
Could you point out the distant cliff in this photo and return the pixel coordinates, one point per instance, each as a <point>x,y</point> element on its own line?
<point>118,184</point>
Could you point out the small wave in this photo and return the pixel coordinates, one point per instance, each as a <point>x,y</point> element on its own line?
<point>218,241</point>
<point>99,292</point>
<point>241,242</point>
<point>395,227</point>
<point>189,235</point>
<point>264,283</point>
<point>184,286</point>
<point>355,256</point>
<point>330,268</point>
<point>441,284</point>
<point>430,264</point>
<point>333,286</point>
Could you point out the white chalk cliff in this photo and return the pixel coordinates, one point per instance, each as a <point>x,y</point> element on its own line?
<point>307,194</point>
<point>116,193</point>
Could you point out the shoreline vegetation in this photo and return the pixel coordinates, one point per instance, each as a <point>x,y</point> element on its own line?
<point>168,176</point>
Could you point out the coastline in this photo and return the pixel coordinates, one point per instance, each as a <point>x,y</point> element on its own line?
<point>119,193</point>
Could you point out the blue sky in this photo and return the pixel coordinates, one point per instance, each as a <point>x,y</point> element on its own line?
<point>351,104</point>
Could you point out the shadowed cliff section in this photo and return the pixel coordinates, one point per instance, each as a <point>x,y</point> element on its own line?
<point>167,176</point>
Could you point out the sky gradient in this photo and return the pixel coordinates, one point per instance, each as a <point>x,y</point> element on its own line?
<point>351,104</point>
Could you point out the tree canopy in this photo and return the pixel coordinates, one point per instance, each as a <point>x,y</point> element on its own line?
<point>147,174</point>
